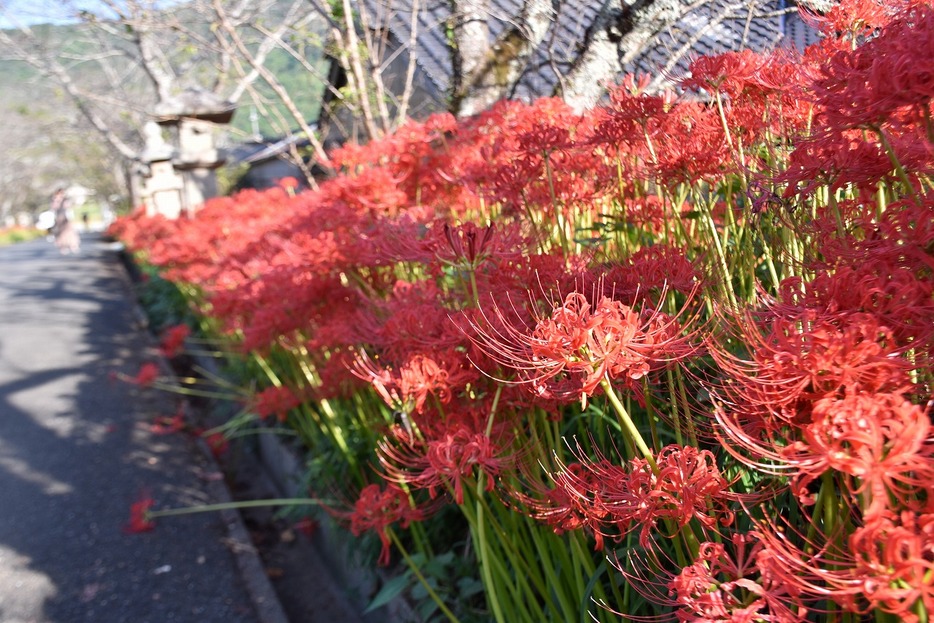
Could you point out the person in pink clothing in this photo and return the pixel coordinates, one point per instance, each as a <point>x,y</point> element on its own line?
<point>64,231</point>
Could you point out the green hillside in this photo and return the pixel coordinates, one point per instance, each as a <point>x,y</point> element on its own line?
<point>47,141</point>
<point>304,88</point>
<point>21,84</point>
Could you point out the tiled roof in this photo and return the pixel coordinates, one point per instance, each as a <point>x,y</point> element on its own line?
<point>708,27</point>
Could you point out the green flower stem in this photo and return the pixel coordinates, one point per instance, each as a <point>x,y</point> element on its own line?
<point>421,578</point>
<point>628,425</point>
<point>489,423</point>
<point>832,202</point>
<point>189,391</point>
<point>899,169</point>
<point>721,256</point>
<point>650,411</point>
<point>882,201</point>
<point>210,508</point>
<point>769,262</point>
<point>559,591</point>
<point>648,143</point>
<point>335,432</point>
<point>675,410</point>
<point>682,392</point>
<point>921,611</point>
<point>726,128</point>
<point>473,286</point>
<point>512,546</point>
<point>559,220</point>
<point>288,432</point>
<point>420,537</point>
<point>217,379</point>
<point>485,556</point>
<point>516,587</point>
<point>267,369</point>
<point>578,543</point>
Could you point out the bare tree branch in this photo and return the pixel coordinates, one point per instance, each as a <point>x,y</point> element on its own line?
<point>412,43</point>
<point>51,68</point>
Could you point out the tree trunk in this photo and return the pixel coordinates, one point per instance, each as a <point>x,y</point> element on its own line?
<point>485,73</point>
<point>615,39</point>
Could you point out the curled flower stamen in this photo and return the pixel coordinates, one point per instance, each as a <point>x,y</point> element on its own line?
<point>568,353</point>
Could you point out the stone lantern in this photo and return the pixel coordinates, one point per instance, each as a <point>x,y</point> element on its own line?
<point>156,184</point>
<point>193,116</point>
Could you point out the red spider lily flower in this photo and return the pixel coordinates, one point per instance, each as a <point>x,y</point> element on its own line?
<point>885,271</point>
<point>648,274</point>
<point>290,184</point>
<point>147,375</point>
<point>377,509</point>
<point>728,73</point>
<point>276,401</point>
<point>139,516</point>
<point>882,440</point>
<point>414,319</point>
<point>766,404</point>
<point>567,354</point>
<point>895,563</point>
<point>445,461</point>
<point>880,79</point>
<point>886,564</point>
<point>421,376</point>
<point>704,591</point>
<point>217,443</point>
<point>901,299</point>
<point>549,131</point>
<point>468,242</point>
<point>563,508</point>
<point>164,425</point>
<point>726,584</point>
<point>688,486</point>
<point>173,340</point>
<point>803,357</point>
<point>691,145</point>
<point>834,160</point>
<point>467,246</point>
<point>855,19</point>
<point>630,114</point>
<point>307,526</point>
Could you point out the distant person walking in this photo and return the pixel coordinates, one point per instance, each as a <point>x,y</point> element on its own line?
<point>64,231</point>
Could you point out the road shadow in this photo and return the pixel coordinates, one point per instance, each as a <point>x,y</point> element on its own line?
<point>77,448</point>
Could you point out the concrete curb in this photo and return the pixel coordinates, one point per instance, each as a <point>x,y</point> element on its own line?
<point>282,467</point>
<point>263,596</point>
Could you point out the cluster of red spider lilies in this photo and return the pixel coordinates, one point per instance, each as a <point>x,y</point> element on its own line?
<point>666,359</point>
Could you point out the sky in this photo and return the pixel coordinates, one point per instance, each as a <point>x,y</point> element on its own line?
<point>30,12</point>
<point>15,13</point>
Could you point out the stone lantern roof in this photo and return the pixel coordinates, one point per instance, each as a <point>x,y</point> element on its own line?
<point>194,104</point>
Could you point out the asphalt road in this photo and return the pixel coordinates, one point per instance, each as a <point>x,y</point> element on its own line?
<point>76,450</point>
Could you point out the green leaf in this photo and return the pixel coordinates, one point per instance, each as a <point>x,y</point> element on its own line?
<point>391,589</point>
<point>437,564</point>
<point>426,609</point>
<point>468,587</point>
